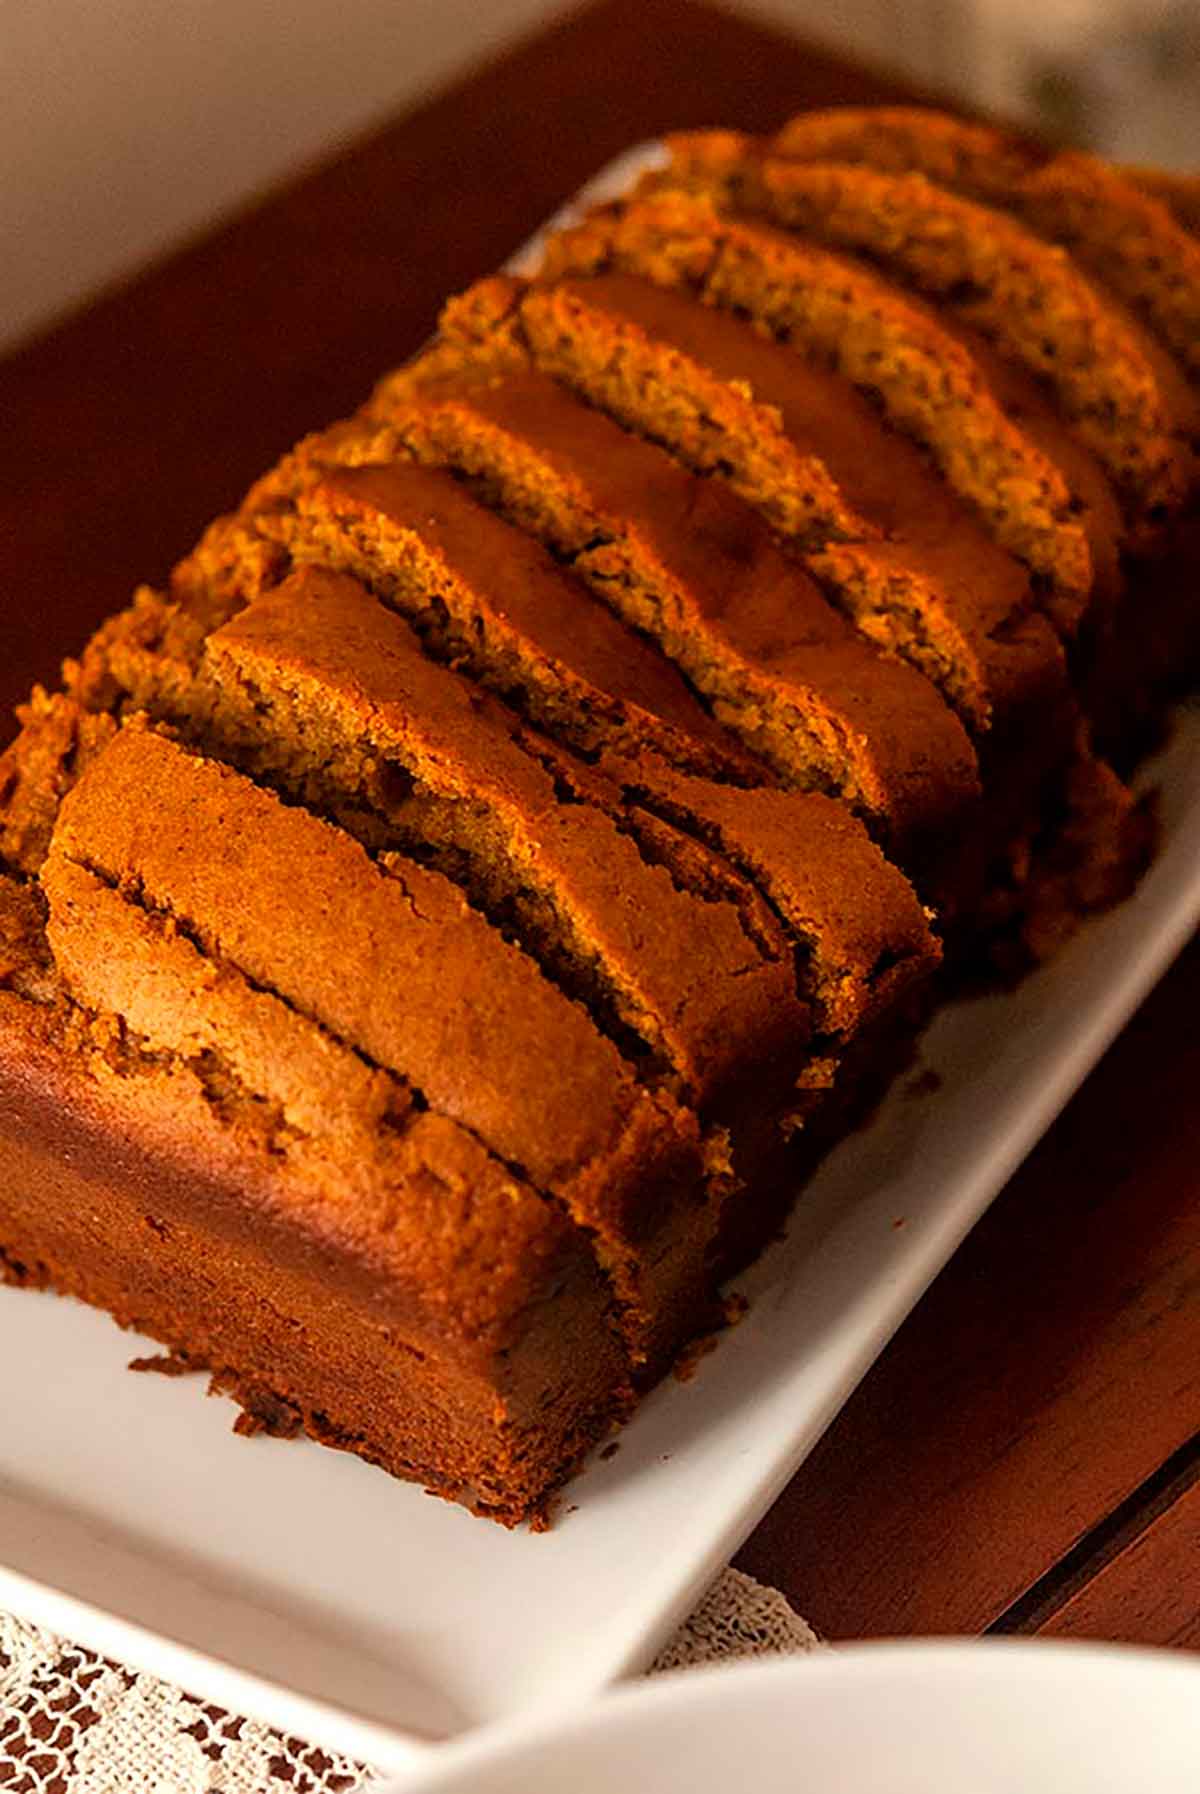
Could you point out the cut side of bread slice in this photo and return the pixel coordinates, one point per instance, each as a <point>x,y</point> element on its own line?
<point>689,565</point>
<point>1122,227</point>
<point>885,538</point>
<point>838,313</point>
<point>322,688</point>
<point>1129,402</point>
<point>479,593</point>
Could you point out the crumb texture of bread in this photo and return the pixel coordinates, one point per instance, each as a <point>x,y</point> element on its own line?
<point>442,929</point>
<point>1124,395</point>
<point>678,558</point>
<point>1128,228</point>
<point>888,343</point>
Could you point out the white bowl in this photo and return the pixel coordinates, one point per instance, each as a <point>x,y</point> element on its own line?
<point>926,1718</point>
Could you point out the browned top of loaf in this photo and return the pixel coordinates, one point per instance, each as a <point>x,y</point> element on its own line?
<point>887,343</point>
<point>953,150</point>
<point>154,644</point>
<point>864,935</point>
<point>324,1138</point>
<point>1122,391</point>
<point>346,680</point>
<point>874,468</point>
<point>726,594</point>
<point>510,581</point>
<point>1117,225</point>
<point>911,523</point>
<point>465,1251</point>
<point>396,965</point>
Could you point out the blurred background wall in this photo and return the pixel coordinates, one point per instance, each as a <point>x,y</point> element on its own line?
<point>126,125</point>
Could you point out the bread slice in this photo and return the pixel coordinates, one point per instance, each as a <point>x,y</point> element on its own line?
<point>690,566</point>
<point>394,1290</point>
<point>1119,226</point>
<point>886,540</point>
<point>890,346</point>
<point>1128,400</point>
<point>366,951</point>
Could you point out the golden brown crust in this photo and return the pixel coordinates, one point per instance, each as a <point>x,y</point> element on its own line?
<point>955,151</point>
<point>1093,495</point>
<point>886,539</point>
<point>1117,225</point>
<point>27,969</point>
<point>340,684</point>
<point>1128,401</point>
<point>1180,193</point>
<point>371,955</point>
<point>412,979</point>
<point>888,345</point>
<point>683,560</point>
<point>58,739</point>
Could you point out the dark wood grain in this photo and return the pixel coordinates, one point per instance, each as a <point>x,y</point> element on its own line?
<point>1149,1593</point>
<point>1053,1367</point>
<point>1049,1371</point>
<point>130,426</point>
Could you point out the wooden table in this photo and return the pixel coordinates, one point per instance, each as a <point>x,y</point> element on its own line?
<point>1026,1456</point>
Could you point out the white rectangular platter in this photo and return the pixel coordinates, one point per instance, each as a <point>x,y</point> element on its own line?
<point>301,1587</point>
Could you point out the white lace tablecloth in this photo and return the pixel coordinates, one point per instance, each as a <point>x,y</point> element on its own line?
<point>73,1723</point>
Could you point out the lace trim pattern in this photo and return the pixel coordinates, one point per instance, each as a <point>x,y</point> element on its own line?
<point>73,1723</point>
